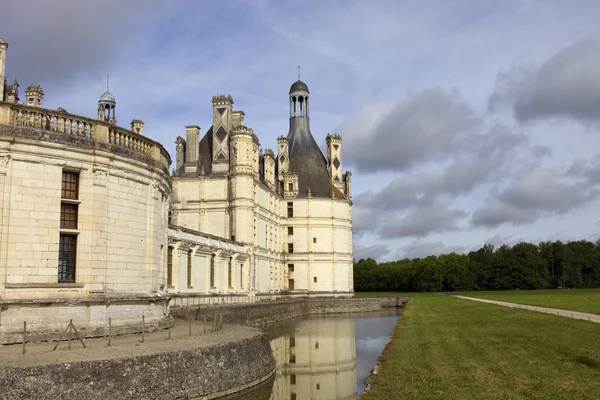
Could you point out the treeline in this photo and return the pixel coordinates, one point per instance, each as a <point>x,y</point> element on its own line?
<point>522,266</point>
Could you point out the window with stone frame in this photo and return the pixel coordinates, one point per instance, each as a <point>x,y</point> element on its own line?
<point>69,209</point>
<point>67,256</point>
<point>229,271</point>
<point>290,209</point>
<point>290,230</point>
<point>170,267</point>
<point>290,247</point>
<point>189,269</point>
<point>212,272</point>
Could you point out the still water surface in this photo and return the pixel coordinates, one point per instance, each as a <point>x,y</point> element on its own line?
<point>325,357</point>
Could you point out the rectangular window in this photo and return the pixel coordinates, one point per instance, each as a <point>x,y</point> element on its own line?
<point>292,396</point>
<point>67,253</point>
<point>230,267</point>
<point>290,230</point>
<point>290,284</point>
<point>292,359</point>
<point>290,267</point>
<point>212,271</point>
<point>189,269</point>
<point>291,187</point>
<point>292,341</point>
<point>314,240</point>
<point>290,247</point>
<point>70,185</point>
<point>316,345</point>
<point>292,379</point>
<point>170,267</point>
<point>315,279</point>
<point>68,216</point>
<point>290,209</point>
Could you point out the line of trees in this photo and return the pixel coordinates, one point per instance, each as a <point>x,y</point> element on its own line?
<point>522,266</point>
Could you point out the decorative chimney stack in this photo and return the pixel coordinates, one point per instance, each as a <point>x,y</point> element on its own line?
<point>34,96</point>
<point>137,126</point>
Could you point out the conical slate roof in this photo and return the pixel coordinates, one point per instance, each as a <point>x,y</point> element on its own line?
<point>308,162</point>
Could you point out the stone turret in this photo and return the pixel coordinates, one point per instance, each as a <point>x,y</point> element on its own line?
<point>11,92</point>
<point>334,159</point>
<point>222,117</point>
<point>3,48</point>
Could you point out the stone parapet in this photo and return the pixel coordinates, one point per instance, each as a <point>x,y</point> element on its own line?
<point>63,124</point>
<point>47,319</point>
<point>184,368</point>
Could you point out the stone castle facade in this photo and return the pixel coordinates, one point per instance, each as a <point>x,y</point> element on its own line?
<point>94,225</point>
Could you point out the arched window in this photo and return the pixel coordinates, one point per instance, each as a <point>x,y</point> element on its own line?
<point>189,269</point>
<point>170,267</point>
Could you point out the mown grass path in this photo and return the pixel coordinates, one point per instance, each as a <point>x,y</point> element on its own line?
<point>450,348</point>
<point>583,300</point>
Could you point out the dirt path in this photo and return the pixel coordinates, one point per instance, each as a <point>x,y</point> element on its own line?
<point>555,311</point>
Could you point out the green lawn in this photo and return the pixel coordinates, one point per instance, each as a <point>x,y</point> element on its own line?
<point>584,300</point>
<point>449,348</point>
<point>386,294</point>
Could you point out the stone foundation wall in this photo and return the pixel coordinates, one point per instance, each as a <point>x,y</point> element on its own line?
<point>265,313</point>
<point>209,371</point>
<point>47,319</point>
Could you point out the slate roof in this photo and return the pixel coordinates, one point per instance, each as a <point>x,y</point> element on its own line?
<point>298,85</point>
<point>308,162</point>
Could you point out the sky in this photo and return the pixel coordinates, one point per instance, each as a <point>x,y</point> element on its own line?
<point>464,122</point>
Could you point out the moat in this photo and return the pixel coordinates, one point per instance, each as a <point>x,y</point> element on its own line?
<point>324,357</point>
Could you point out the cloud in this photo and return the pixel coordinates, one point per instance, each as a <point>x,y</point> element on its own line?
<point>376,252</point>
<point>429,125</point>
<point>537,193</point>
<point>422,221</point>
<point>419,249</point>
<point>565,86</point>
<point>58,40</point>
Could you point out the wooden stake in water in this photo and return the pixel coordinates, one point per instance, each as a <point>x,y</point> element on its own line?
<point>143,326</point>
<point>109,330</point>
<point>24,336</point>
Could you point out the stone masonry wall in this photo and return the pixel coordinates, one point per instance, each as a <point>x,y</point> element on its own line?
<point>262,314</point>
<point>199,372</point>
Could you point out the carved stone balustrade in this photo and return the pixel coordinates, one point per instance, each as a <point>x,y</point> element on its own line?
<point>61,122</point>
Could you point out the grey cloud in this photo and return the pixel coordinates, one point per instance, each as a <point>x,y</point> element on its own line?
<point>458,178</point>
<point>565,86</point>
<point>376,252</point>
<point>52,41</point>
<point>419,249</point>
<point>537,193</point>
<point>430,125</point>
<point>422,221</point>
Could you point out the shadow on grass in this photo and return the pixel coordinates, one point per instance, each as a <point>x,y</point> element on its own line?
<point>588,362</point>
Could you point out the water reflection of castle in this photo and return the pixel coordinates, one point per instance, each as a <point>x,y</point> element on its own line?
<point>316,361</point>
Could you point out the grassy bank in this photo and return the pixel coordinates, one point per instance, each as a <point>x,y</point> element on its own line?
<point>448,348</point>
<point>584,300</point>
